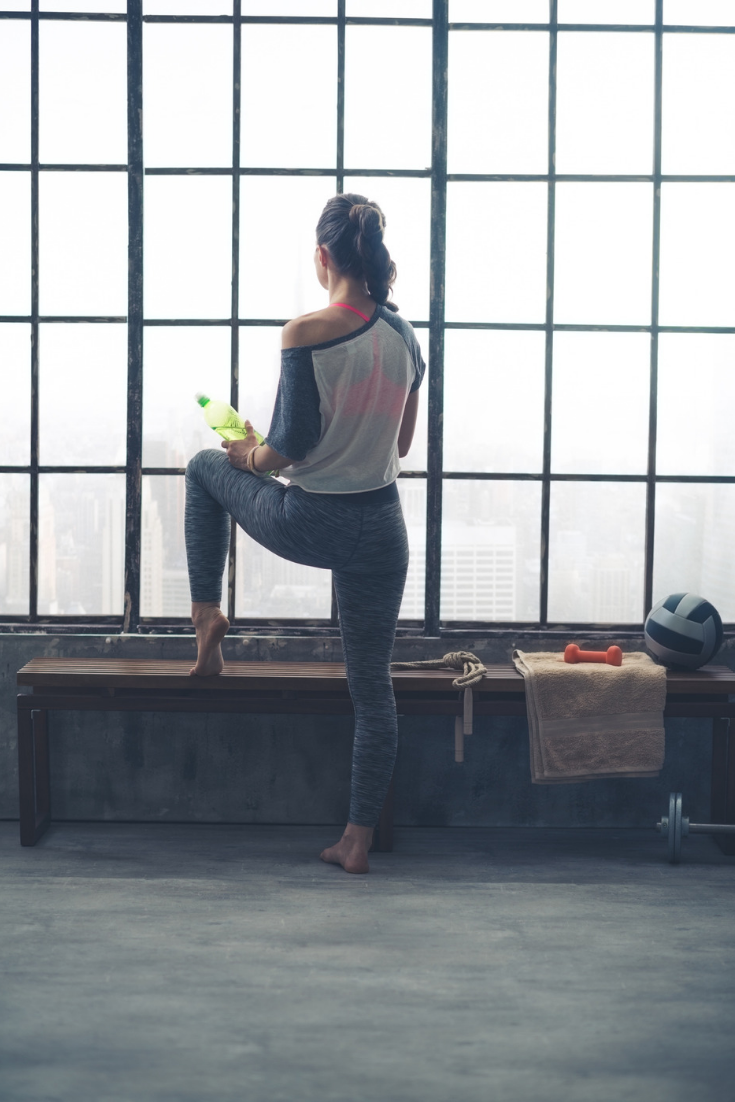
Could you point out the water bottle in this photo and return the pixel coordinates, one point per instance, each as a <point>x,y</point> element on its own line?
<point>224,419</point>
<point>227,422</point>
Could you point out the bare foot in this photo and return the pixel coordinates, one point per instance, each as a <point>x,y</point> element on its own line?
<point>211,627</point>
<point>351,852</point>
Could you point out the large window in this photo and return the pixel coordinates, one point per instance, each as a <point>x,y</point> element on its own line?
<point>558,179</point>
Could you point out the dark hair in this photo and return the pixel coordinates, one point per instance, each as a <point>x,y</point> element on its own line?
<point>351,227</point>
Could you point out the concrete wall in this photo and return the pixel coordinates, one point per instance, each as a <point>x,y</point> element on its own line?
<point>295,769</point>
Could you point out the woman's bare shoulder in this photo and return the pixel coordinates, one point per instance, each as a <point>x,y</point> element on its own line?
<point>318,327</point>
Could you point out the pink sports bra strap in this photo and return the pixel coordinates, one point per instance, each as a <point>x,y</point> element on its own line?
<point>347,306</point>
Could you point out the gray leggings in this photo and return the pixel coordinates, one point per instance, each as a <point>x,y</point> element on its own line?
<point>365,547</point>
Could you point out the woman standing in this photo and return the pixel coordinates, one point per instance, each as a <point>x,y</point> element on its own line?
<point>345,412</point>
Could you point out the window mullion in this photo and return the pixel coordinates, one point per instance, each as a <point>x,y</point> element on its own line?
<point>235,302</point>
<point>341,6</point>
<point>655,250</point>
<point>340,96</point>
<point>549,351</point>
<point>135,318</point>
<point>440,50</point>
<point>33,565</point>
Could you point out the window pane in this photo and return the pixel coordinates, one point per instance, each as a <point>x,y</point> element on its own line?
<point>187,7</point>
<point>173,426</point>
<point>599,422</point>
<point>187,89</point>
<point>15,385</point>
<point>394,9</point>
<point>415,460</point>
<point>269,586</point>
<point>16,5</point>
<point>15,243</point>
<point>413,503</point>
<point>596,552</point>
<point>496,252</point>
<point>15,527</point>
<point>491,534</point>
<point>188,246</point>
<point>164,580</point>
<point>81,544</point>
<point>705,13</point>
<point>388,126</point>
<point>119,6</point>
<point>83,394</point>
<point>696,397</point>
<point>498,102</point>
<point>82,93</point>
<point>695,529</point>
<point>260,368</point>
<point>697,244</point>
<point>277,277</point>
<point>606,11</point>
<point>289,7</point>
<point>698,113</point>
<point>493,400</point>
<point>604,112</point>
<point>278,128</point>
<point>406,205</point>
<point>15,92</point>
<point>83,229</point>
<point>603,254</point>
<point>491,11</point>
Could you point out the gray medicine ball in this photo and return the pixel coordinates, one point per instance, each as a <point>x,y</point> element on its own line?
<point>683,630</point>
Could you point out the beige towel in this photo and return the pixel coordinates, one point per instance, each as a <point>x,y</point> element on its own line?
<point>588,721</point>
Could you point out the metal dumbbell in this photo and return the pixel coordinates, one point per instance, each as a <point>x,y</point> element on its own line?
<point>676,826</point>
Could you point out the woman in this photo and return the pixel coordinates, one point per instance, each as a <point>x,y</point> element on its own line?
<point>345,412</point>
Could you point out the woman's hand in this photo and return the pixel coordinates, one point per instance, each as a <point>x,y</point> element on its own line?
<point>238,450</point>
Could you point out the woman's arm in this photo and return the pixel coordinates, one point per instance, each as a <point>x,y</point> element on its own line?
<point>408,424</point>
<point>297,333</point>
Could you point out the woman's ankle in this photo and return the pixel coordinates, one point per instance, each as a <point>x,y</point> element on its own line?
<point>202,610</point>
<point>359,834</point>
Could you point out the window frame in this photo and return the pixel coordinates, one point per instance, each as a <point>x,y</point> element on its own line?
<point>434,475</point>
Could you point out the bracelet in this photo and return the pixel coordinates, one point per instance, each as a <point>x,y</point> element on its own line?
<point>250,464</point>
<point>251,460</point>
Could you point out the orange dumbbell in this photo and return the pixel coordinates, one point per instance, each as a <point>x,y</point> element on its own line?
<point>613,655</point>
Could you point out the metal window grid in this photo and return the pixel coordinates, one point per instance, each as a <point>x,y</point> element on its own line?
<point>437,325</point>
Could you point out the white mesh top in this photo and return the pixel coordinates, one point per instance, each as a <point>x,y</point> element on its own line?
<point>340,404</point>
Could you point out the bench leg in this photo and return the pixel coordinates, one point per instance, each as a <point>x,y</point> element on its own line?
<point>33,774</point>
<point>723,781</point>
<point>385,824</point>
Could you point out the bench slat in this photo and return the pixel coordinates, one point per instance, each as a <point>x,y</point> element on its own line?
<point>155,673</point>
<point>166,674</point>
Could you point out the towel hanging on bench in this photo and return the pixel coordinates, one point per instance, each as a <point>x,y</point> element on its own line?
<point>590,722</point>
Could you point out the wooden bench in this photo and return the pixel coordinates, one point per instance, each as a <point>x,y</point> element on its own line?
<point>154,685</point>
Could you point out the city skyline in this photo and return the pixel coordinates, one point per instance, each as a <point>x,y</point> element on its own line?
<point>489,568</point>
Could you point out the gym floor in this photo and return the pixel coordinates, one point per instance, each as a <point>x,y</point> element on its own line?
<point>192,963</point>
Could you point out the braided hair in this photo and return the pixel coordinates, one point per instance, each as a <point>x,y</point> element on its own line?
<point>351,227</point>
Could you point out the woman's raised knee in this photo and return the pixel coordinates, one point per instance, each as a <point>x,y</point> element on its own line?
<point>203,460</point>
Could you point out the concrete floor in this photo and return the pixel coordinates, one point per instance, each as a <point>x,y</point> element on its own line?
<point>165,963</point>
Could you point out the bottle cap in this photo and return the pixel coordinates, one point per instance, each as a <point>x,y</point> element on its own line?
<point>202,399</point>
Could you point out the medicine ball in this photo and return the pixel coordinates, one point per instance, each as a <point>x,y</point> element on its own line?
<point>684,630</point>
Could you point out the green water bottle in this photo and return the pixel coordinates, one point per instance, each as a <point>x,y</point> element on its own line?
<point>224,419</point>
<point>227,422</point>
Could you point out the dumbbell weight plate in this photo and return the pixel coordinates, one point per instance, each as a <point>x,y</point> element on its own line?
<point>674,831</point>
